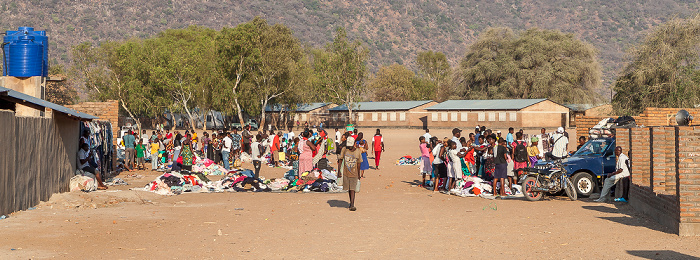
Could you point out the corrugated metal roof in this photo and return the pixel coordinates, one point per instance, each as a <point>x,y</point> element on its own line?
<point>383,105</point>
<point>300,107</point>
<point>491,104</point>
<point>15,96</point>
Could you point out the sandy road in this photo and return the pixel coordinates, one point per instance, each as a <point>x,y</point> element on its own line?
<point>394,220</point>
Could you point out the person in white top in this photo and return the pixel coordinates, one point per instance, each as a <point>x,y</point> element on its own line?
<point>290,135</point>
<point>257,150</point>
<point>456,134</point>
<point>226,149</point>
<point>427,135</point>
<point>338,136</point>
<point>622,171</point>
<point>559,143</point>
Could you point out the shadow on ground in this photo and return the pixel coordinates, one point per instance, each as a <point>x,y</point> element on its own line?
<point>338,203</point>
<point>660,254</point>
<point>632,218</point>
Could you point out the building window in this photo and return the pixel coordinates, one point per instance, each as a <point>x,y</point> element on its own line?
<point>434,116</point>
<point>384,116</point>
<point>392,116</point>
<point>375,117</point>
<point>464,116</point>
<point>453,116</point>
<point>296,117</point>
<point>513,116</point>
<point>303,117</point>
<point>482,116</point>
<point>492,116</point>
<point>502,116</point>
<point>360,116</point>
<point>402,116</point>
<point>443,116</point>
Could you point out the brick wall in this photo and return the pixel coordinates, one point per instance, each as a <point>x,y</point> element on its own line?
<point>108,111</point>
<point>665,167</point>
<point>656,116</point>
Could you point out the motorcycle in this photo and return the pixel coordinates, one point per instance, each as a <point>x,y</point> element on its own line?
<point>552,179</point>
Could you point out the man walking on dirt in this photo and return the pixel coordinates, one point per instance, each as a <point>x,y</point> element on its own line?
<point>352,158</point>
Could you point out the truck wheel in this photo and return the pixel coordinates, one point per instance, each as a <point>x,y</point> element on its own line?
<point>584,184</point>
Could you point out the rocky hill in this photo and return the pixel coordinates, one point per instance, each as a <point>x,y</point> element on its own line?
<point>394,30</point>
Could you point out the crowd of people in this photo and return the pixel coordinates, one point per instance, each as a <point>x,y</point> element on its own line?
<point>486,154</point>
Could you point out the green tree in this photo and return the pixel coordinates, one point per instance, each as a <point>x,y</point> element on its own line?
<point>532,64</point>
<point>434,67</point>
<point>276,72</point>
<point>397,83</point>
<point>180,65</point>
<point>664,71</point>
<point>237,56</point>
<point>341,70</point>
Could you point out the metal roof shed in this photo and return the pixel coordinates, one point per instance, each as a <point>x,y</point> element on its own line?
<point>383,105</point>
<point>40,104</point>
<point>493,104</point>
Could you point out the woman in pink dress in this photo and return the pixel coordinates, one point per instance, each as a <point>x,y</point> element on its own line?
<point>306,149</point>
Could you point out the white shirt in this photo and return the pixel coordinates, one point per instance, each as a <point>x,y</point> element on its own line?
<point>255,151</point>
<point>337,136</point>
<point>436,153</point>
<point>459,144</point>
<point>559,146</point>
<point>290,135</point>
<point>227,144</point>
<point>427,137</point>
<point>82,155</point>
<point>622,161</point>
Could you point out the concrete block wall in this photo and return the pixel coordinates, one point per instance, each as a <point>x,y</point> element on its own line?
<point>108,110</point>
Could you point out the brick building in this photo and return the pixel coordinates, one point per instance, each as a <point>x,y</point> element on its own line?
<point>498,113</point>
<point>313,113</point>
<point>385,114</point>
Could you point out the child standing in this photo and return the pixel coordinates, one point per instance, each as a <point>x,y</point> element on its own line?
<point>533,153</point>
<point>425,165</point>
<point>140,149</point>
<point>456,163</point>
<point>155,145</point>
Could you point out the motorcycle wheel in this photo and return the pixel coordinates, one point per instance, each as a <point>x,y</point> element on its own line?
<point>570,190</point>
<point>528,184</point>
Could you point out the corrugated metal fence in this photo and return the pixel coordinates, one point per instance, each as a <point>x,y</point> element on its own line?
<point>37,159</point>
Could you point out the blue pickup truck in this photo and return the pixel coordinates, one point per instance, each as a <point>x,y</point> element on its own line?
<point>590,164</point>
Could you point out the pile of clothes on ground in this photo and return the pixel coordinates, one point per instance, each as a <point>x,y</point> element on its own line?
<point>208,167</point>
<point>243,180</point>
<point>477,187</point>
<point>408,160</point>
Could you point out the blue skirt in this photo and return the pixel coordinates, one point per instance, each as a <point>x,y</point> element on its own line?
<point>365,164</point>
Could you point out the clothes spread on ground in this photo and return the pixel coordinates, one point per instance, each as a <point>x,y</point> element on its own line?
<point>408,160</point>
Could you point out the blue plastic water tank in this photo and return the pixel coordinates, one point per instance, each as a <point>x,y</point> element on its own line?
<point>39,38</point>
<point>25,57</point>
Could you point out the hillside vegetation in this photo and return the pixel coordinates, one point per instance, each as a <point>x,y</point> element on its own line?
<point>394,30</point>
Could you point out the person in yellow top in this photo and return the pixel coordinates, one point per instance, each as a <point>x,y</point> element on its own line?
<point>533,154</point>
<point>194,140</point>
<point>155,146</point>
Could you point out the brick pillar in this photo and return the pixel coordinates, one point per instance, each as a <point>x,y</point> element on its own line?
<point>639,144</point>
<point>663,171</point>
<point>689,180</point>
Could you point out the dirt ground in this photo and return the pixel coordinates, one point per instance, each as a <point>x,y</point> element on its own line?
<point>394,219</point>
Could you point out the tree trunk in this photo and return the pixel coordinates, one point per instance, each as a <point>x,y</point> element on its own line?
<point>189,116</point>
<point>279,119</point>
<point>205,119</point>
<point>138,122</point>
<point>262,115</point>
<point>172,119</point>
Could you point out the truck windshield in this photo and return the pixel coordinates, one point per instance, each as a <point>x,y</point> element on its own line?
<point>593,147</point>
